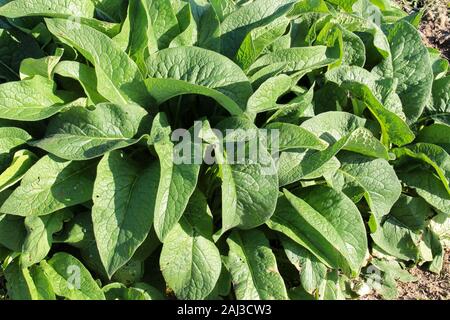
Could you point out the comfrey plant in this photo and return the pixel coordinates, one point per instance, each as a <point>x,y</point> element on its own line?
<point>219,149</point>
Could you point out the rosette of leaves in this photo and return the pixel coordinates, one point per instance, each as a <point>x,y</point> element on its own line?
<point>94,206</point>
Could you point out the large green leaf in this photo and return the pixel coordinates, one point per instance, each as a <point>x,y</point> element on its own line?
<point>191,70</point>
<point>58,8</point>
<point>164,21</point>
<point>258,39</point>
<point>436,133</point>
<point>429,187</point>
<point>292,60</point>
<point>29,100</point>
<point>82,11</point>
<point>441,96</point>
<point>253,267</point>
<point>332,126</point>
<point>327,223</point>
<point>431,154</point>
<point>412,212</point>
<point>50,185</point>
<point>40,237</point>
<point>177,180</point>
<point>295,165</point>
<point>394,128</point>
<point>81,134</point>
<point>312,271</point>
<point>22,161</point>
<point>189,257</point>
<point>10,139</point>
<point>291,136</point>
<point>412,67</point>
<point>12,232</point>
<point>27,284</point>
<point>373,178</point>
<point>70,279</point>
<point>239,23</point>
<point>396,240</point>
<point>250,184</point>
<point>266,96</point>
<point>124,201</point>
<point>119,79</point>
<point>354,23</point>
<point>82,73</point>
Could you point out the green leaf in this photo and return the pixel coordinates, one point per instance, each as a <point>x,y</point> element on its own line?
<point>249,193</point>
<point>331,288</point>
<point>302,164</point>
<point>332,126</point>
<point>82,73</point>
<point>82,12</point>
<point>29,100</point>
<point>440,225</point>
<point>253,267</point>
<point>43,67</point>
<point>412,68</point>
<point>50,185</point>
<point>258,39</point>
<point>188,28</point>
<point>59,8</point>
<point>437,133</point>
<point>22,161</point>
<point>142,39</point>
<point>412,212</point>
<point>40,237</point>
<point>14,47</point>
<point>375,178</point>
<point>291,60</point>
<point>189,257</point>
<point>396,240</point>
<point>118,291</point>
<point>43,285</point>
<point>354,49</point>
<point>291,136</point>
<point>394,129</point>
<point>24,284</point>
<point>354,23</point>
<point>164,21</point>
<point>12,232</point>
<point>119,85</point>
<point>433,242</point>
<point>312,271</point>
<point>240,22</point>
<point>124,201</point>
<point>429,187</point>
<point>70,279</point>
<point>266,96</point>
<point>330,229</point>
<point>110,9</point>
<point>441,96</point>
<point>10,139</point>
<point>204,72</point>
<point>82,134</point>
<point>438,63</point>
<point>177,181</point>
<point>431,154</point>
<point>296,109</point>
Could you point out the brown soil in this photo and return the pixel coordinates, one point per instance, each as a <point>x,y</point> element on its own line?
<point>435,26</point>
<point>429,286</point>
